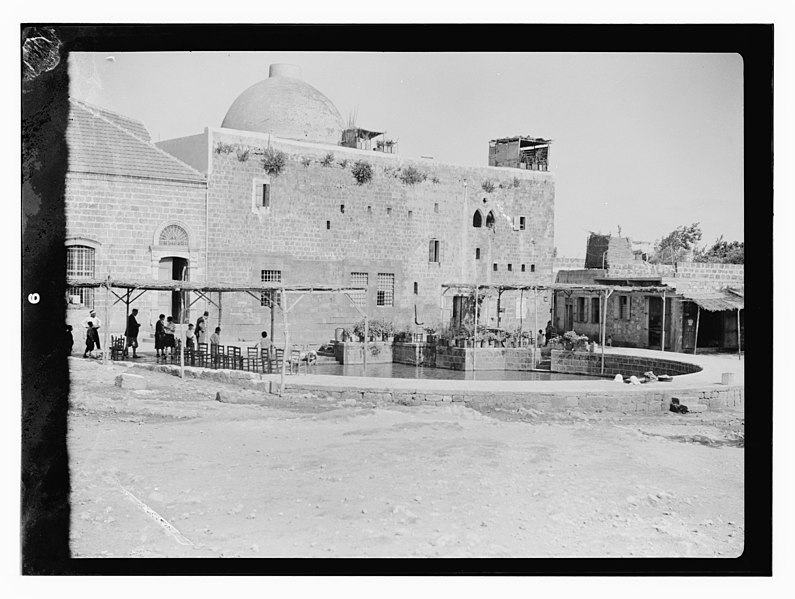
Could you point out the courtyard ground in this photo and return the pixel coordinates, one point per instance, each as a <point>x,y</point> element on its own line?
<point>171,472</point>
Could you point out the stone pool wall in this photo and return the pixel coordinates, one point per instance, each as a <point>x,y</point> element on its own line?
<point>570,362</point>
<point>645,399</point>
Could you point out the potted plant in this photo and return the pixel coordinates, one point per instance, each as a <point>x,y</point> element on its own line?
<point>430,334</point>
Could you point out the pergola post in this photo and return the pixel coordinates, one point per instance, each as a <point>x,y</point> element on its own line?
<point>106,323</point>
<point>603,310</point>
<point>182,351</point>
<point>739,345</point>
<point>695,340</point>
<point>535,329</point>
<point>474,336</point>
<point>663,323</point>
<point>366,341</point>
<point>286,354</point>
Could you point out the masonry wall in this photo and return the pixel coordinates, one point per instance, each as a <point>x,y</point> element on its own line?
<point>386,227</point>
<point>120,218</point>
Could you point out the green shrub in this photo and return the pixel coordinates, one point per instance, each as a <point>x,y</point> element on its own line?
<point>362,171</point>
<point>328,159</point>
<point>273,161</point>
<point>411,175</point>
<point>487,185</point>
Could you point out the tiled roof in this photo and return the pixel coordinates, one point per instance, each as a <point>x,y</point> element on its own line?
<point>104,142</point>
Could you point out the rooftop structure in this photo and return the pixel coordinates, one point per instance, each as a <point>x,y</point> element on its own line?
<point>521,151</point>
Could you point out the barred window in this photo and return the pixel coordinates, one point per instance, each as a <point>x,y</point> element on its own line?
<point>359,279</point>
<point>386,289</point>
<point>80,263</point>
<point>173,235</point>
<point>270,276</point>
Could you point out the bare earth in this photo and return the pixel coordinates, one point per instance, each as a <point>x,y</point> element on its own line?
<point>170,472</point>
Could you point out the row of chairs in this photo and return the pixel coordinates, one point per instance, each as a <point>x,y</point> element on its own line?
<point>230,357</point>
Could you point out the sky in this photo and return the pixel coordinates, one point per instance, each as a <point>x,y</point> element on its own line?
<point>644,142</point>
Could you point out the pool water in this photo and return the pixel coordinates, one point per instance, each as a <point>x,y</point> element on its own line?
<point>404,371</point>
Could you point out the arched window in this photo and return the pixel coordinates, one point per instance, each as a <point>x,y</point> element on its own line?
<point>477,220</point>
<point>490,219</point>
<point>80,264</point>
<point>173,235</point>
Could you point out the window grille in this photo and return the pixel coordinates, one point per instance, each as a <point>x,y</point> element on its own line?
<point>359,279</point>
<point>270,276</point>
<point>80,263</point>
<point>173,235</point>
<point>386,289</point>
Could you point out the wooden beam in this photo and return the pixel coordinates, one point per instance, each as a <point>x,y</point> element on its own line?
<point>695,340</point>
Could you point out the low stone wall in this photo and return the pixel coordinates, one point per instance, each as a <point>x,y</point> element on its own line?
<point>463,358</point>
<point>571,362</point>
<point>352,352</point>
<point>414,354</point>
<point>635,398</point>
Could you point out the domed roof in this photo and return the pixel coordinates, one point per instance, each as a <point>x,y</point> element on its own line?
<point>286,107</point>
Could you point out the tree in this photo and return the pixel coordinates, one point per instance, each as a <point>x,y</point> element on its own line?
<point>724,252</point>
<point>673,247</point>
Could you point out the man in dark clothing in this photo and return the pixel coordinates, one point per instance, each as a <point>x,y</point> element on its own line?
<point>550,331</point>
<point>132,333</point>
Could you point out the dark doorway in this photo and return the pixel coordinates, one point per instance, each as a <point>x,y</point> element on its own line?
<point>174,303</point>
<point>568,318</point>
<point>655,305</point>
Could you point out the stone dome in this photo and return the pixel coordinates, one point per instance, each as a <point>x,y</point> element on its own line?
<point>286,107</point>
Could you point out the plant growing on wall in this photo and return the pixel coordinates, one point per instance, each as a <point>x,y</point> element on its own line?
<point>273,161</point>
<point>412,175</point>
<point>488,185</point>
<point>343,163</point>
<point>327,160</point>
<point>224,148</point>
<point>362,171</point>
<point>243,153</point>
<point>435,180</point>
<point>573,341</point>
<point>306,161</point>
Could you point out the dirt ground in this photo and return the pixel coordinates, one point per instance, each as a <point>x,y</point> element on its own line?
<point>170,472</point>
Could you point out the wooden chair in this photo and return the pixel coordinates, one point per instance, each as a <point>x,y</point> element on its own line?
<point>275,359</point>
<point>202,355</point>
<point>116,348</point>
<point>252,360</point>
<point>296,361</point>
<point>217,357</point>
<point>233,357</point>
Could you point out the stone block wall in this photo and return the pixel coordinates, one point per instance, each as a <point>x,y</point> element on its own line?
<point>120,217</point>
<point>322,226</point>
<point>378,352</point>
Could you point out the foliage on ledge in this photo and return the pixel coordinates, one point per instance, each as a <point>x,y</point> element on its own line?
<point>362,171</point>
<point>273,161</point>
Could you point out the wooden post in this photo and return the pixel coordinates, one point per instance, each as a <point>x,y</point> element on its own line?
<point>663,322</point>
<point>182,351</point>
<point>521,315</point>
<point>535,330</point>
<point>603,309</point>
<point>106,324</point>
<point>695,340</point>
<point>286,354</point>
<point>220,295</point>
<point>474,336</point>
<point>366,341</point>
<point>739,345</point>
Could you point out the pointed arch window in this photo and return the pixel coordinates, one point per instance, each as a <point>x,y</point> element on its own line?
<point>477,219</point>
<point>490,219</point>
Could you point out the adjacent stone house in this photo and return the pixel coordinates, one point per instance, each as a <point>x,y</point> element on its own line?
<point>702,307</point>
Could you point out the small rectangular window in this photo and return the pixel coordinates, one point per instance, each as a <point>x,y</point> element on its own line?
<point>510,267</point>
<point>595,310</point>
<point>582,316</point>
<point>433,251</point>
<point>261,194</point>
<point>416,288</point>
<point>494,267</point>
<point>328,224</point>
<point>521,223</point>
<point>270,276</point>
<point>522,267</point>
<point>477,253</point>
<point>369,210</point>
<point>359,279</point>
<point>266,195</point>
<point>532,268</point>
<point>623,307</point>
<point>410,213</point>
<point>388,211</point>
<point>386,289</point>
<point>342,208</point>
<point>436,207</point>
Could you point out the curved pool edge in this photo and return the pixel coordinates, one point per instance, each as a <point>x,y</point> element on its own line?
<point>700,391</point>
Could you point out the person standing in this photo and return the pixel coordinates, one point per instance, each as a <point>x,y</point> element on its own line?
<point>549,332</point>
<point>96,323</point>
<point>92,340</point>
<point>131,333</point>
<point>201,328</point>
<point>70,340</point>
<point>215,338</point>
<point>160,334</point>
<point>540,338</point>
<point>169,329</point>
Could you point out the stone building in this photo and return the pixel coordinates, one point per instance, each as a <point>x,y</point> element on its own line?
<point>703,296</point>
<point>273,195</point>
<point>133,211</point>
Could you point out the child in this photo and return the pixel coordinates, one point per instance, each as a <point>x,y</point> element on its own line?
<point>92,340</point>
<point>190,338</point>
<point>215,338</point>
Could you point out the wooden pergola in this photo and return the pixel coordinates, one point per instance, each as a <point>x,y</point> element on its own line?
<point>131,290</point>
<point>604,291</point>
